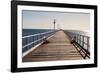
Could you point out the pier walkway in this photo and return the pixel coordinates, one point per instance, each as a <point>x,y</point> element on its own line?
<point>58,47</point>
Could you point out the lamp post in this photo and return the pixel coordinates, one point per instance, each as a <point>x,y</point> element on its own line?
<point>54,23</point>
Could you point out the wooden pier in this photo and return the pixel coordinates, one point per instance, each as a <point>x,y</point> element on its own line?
<point>58,47</point>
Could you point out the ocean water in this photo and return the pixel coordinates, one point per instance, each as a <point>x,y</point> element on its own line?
<point>85,33</point>
<point>27,32</point>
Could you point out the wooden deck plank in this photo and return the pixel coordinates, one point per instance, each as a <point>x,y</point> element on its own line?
<point>57,47</point>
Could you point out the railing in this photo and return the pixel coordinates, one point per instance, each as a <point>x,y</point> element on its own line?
<point>82,42</point>
<point>32,40</point>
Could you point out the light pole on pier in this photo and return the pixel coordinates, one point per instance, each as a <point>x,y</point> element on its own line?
<point>54,23</point>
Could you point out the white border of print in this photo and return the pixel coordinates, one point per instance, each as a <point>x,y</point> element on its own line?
<point>52,63</point>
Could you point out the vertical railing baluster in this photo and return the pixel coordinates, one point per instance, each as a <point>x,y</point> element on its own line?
<point>27,42</point>
<point>77,38</point>
<point>80,39</point>
<point>83,41</point>
<point>33,40</point>
<point>87,43</point>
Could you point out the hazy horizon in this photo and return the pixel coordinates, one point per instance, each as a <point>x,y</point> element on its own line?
<point>64,20</point>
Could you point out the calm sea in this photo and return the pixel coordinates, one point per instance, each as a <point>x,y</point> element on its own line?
<point>26,32</point>
<point>85,33</point>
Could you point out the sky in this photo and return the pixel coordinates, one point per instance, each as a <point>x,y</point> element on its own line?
<point>65,20</point>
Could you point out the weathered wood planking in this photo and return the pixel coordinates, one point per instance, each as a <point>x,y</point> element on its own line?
<point>58,47</point>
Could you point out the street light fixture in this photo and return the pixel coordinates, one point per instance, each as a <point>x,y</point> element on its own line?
<point>54,23</point>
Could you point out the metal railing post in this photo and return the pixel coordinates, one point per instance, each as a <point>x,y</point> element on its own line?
<point>32,40</point>
<point>82,42</point>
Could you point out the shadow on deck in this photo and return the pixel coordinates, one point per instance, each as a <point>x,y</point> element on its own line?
<point>58,47</point>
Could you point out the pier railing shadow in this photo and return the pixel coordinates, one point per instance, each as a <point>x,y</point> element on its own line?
<point>81,43</point>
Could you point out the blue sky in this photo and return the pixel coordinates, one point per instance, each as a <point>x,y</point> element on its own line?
<point>65,20</point>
